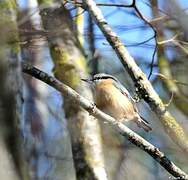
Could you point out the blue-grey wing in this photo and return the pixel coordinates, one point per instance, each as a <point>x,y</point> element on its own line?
<point>124,91</point>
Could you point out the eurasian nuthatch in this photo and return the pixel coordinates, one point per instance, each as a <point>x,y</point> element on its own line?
<point>112,97</point>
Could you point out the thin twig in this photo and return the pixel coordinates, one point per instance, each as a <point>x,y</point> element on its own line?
<point>154,36</point>
<point>79,3</point>
<point>163,77</point>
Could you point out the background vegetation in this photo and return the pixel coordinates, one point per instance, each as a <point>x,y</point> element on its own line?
<point>44,135</point>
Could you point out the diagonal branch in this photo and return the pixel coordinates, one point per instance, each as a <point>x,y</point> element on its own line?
<point>143,86</point>
<point>90,107</point>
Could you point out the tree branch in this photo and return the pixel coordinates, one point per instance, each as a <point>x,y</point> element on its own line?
<point>143,86</point>
<point>94,111</point>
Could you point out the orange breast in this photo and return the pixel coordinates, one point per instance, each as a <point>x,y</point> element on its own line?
<point>110,100</point>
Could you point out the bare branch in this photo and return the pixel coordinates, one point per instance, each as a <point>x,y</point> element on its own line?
<point>79,3</point>
<point>94,111</point>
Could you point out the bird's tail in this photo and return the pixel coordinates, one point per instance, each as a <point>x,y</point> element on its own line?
<point>141,122</point>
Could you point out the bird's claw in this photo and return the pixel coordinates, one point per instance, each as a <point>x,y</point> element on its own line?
<point>94,105</point>
<point>136,97</point>
<point>92,109</point>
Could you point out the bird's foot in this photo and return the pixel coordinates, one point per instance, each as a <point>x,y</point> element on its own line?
<point>92,108</point>
<point>136,97</point>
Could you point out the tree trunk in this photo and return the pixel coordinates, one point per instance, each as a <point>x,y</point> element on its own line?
<point>69,67</point>
<point>12,164</point>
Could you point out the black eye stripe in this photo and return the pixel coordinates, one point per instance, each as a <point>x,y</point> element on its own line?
<point>104,77</point>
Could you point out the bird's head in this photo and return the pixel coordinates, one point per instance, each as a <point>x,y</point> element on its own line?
<point>98,78</point>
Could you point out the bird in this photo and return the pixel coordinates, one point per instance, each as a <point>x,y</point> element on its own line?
<point>111,97</point>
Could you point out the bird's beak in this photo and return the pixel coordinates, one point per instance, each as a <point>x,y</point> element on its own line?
<point>87,80</point>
